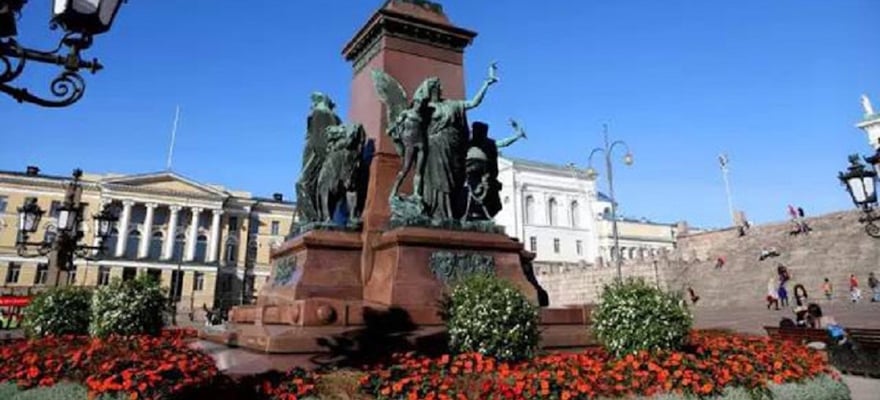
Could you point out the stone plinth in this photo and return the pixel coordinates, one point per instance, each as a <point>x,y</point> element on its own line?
<point>402,271</point>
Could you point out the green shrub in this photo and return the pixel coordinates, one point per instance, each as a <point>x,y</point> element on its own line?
<point>820,388</point>
<point>58,311</point>
<point>137,306</point>
<point>489,316</point>
<point>633,315</point>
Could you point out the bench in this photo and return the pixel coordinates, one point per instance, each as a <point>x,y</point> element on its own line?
<point>799,335</point>
<point>868,339</point>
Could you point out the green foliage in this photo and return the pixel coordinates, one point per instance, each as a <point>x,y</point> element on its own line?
<point>633,315</point>
<point>131,307</point>
<point>59,391</point>
<point>58,311</point>
<point>489,316</point>
<point>821,388</point>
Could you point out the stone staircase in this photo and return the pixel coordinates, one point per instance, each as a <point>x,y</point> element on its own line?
<point>837,247</point>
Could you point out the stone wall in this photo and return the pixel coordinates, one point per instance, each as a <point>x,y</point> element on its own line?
<point>837,247</point>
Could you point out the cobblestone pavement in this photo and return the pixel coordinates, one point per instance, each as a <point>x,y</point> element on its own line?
<point>753,320</point>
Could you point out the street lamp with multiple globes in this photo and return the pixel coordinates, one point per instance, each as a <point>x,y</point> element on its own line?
<point>861,183</point>
<point>64,245</point>
<point>81,20</point>
<point>607,151</point>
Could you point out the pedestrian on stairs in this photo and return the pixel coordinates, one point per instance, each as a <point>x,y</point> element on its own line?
<point>854,292</point>
<point>874,284</point>
<point>783,295</point>
<point>826,288</point>
<point>772,294</point>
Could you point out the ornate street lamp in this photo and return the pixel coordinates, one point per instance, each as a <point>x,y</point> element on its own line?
<point>81,20</point>
<point>607,151</point>
<point>861,183</point>
<point>65,240</point>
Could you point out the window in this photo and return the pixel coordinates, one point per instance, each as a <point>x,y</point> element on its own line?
<point>556,245</point>
<point>129,273</point>
<point>179,243</point>
<point>231,250</point>
<point>552,212</point>
<point>103,275</point>
<point>176,284</point>
<point>575,215</point>
<point>580,247</point>
<point>530,210</point>
<point>13,272</point>
<point>232,225</point>
<point>533,243</point>
<point>276,227</point>
<point>110,243</point>
<point>55,209</point>
<point>42,274</point>
<point>201,248</point>
<point>155,250</point>
<point>50,235</point>
<point>198,281</point>
<point>155,274</point>
<point>132,243</point>
<point>4,202</point>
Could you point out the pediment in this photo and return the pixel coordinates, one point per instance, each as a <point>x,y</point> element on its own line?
<point>163,182</point>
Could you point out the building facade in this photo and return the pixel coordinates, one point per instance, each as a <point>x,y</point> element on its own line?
<point>557,212</point>
<point>209,246</point>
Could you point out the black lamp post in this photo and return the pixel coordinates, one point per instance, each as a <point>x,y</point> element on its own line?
<point>861,183</point>
<point>81,20</point>
<point>65,243</point>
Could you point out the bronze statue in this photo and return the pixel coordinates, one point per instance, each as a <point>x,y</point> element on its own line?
<point>448,135</point>
<point>482,186</point>
<point>338,178</point>
<point>407,129</point>
<point>321,117</point>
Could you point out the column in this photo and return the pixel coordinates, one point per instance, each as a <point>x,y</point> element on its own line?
<point>213,245</point>
<point>124,220</point>
<point>147,234</point>
<point>170,232</point>
<point>193,234</point>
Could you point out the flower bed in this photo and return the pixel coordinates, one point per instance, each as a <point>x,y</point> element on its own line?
<point>151,367</point>
<point>711,363</point>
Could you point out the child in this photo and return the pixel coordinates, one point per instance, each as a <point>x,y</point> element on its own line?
<point>854,291</point>
<point>826,288</point>
<point>874,284</point>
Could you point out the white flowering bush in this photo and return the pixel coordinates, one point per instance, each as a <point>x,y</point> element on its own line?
<point>632,315</point>
<point>130,307</point>
<point>58,311</point>
<point>489,316</point>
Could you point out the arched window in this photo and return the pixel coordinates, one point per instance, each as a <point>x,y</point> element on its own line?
<point>575,215</point>
<point>110,242</point>
<point>553,212</point>
<point>231,250</point>
<point>530,210</point>
<point>179,243</point>
<point>201,248</point>
<point>131,245</point>
<point>155,250</point>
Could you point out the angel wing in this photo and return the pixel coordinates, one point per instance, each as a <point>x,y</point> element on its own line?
<point>391,92</point>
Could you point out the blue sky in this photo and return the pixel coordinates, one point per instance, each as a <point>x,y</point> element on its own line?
<point>775,84</point>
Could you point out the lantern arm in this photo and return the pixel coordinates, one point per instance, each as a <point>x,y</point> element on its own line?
<point>22,246</point>
<point>68,87</point>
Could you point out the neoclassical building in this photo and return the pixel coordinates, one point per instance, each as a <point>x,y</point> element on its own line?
<point>205,243</point>
<point>557,212</point>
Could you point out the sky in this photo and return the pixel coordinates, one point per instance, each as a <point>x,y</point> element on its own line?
<point>774,84</point>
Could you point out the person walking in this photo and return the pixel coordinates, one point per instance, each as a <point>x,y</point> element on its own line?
<point>854,292</point>
<point>826,288</point>
<point>874,284</point>
<point>772,294</point>
<point>783,295</point>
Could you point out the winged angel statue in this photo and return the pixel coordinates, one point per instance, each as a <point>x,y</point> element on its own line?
<point>407,126</point>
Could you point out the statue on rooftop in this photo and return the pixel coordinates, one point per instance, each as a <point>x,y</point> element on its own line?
<point>866,105</point>
<point>321,117</point>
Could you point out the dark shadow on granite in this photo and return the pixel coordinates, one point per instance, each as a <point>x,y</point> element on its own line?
<point>385,333</point>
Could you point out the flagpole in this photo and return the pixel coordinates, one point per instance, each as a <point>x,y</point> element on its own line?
<point>724,170</point>
<point>173,137</point>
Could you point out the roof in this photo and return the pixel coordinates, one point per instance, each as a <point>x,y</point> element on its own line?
<point>559,169</point>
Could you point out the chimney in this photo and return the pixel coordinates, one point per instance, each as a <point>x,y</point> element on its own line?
<point>278,197</point>
<point>32,170</point>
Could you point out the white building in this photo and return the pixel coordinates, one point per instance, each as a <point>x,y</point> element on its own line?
<point>557,213</point>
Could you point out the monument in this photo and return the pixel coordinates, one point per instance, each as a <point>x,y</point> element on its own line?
<point>396,204</point>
